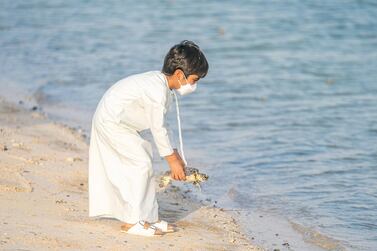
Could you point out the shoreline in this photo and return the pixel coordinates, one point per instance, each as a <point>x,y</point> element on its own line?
<point>44,187</point>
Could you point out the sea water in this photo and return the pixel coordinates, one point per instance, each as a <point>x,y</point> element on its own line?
<point>285,123</point>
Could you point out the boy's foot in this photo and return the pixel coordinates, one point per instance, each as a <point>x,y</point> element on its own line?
<point>141,228</point>
<point>164,226</point>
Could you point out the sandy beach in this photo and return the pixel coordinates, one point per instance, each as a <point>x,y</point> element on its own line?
<point>44,197</point>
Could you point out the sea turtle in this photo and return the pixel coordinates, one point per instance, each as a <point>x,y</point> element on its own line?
<point>192,176</point>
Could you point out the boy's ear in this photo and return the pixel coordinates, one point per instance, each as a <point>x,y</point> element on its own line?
<point>179,73</point>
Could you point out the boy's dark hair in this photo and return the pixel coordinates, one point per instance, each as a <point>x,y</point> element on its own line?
<point>187,57</point>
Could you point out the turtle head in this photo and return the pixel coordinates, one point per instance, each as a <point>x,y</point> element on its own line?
<point>201,177</point>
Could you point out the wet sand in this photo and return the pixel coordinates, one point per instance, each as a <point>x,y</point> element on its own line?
<point>44,197</point>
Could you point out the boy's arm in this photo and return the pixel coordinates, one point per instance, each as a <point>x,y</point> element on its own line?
<point>155,112</point>
<point>156,117</point>
<point>172,138</point>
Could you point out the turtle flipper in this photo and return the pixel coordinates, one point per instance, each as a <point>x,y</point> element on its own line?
<point>164,181</point>
<point>197,184</point>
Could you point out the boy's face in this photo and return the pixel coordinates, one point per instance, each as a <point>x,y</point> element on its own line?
<point>192,79</point>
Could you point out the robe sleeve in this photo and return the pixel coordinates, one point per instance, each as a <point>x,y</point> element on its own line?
<point>172,138</point>
<point>155,112</point>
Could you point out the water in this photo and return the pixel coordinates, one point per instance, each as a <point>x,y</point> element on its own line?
<point>285,121</point>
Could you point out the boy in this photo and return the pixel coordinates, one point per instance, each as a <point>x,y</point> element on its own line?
<point>121,182</point>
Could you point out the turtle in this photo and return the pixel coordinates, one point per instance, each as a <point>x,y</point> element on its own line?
<point>192,176</point>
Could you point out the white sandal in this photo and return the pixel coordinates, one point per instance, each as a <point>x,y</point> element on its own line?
<point>139,229</point>
<point>163,226</point>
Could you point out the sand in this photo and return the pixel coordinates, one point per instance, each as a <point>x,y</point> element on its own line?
<point>44,197</point>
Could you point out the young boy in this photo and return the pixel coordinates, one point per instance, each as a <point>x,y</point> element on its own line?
<point>121,182</point>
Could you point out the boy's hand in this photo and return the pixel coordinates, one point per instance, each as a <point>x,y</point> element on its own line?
<point>177,170</point>
<point>176,165</point>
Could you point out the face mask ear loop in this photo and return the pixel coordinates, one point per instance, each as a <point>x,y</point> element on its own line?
<point>179,129</point>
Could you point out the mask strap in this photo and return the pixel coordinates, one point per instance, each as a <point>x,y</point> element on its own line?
<point>187,83</point>
<point>179,129</point>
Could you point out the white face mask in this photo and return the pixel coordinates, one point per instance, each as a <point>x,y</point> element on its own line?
<point>187,88</point>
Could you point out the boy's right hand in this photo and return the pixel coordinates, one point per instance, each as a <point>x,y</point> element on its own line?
<point>176,165</point>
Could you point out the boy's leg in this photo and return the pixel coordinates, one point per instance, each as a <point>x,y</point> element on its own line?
<point>144,201</point>
<point>127,161</point>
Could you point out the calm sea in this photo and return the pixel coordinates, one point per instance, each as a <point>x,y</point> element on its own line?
<point>285,122</point>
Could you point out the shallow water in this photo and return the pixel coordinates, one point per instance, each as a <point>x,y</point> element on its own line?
<point>284,122</point>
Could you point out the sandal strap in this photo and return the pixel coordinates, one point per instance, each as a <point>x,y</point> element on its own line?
<point>142,223</point>
<point>163,225</point>
<point>139,229</point>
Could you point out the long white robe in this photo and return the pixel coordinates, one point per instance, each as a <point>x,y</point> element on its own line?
<point>121,183</point>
